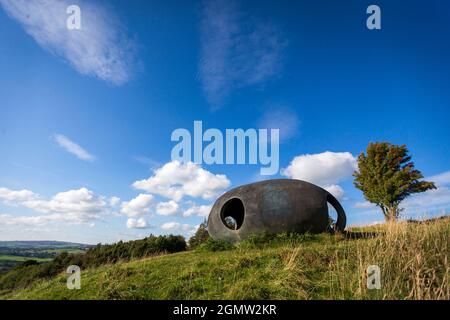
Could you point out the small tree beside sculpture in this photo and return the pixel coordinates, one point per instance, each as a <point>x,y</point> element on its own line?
<point>386,175</point>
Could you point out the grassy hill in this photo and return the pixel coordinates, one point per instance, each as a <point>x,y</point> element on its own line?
<point>413,259</point>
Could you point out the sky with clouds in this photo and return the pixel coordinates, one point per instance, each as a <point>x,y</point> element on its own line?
<point>86,115</point>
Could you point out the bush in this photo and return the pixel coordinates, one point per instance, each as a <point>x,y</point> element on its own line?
<point>29,263</point>
<point>200,236</point>
<point>257,240</point>
<point>263,239</point>
<point>216,245</point>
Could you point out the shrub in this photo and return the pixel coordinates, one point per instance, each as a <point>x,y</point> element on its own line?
<point>260,240</point>
<point>216,245</point>
<point>257,240</point>
<point>200,236</point>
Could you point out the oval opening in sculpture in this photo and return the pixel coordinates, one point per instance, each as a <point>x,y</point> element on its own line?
<point>233,213</point>
<point>332,213</point>
<point>336,211</point>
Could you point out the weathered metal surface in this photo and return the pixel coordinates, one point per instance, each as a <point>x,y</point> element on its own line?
<point>281,205</point>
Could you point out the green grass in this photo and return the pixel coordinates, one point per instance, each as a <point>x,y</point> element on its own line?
<point>22,259</point>
<point>413,259</point>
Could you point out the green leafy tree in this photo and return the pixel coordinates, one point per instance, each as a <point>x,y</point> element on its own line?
<point>200,236</point>
<point>387,176</point>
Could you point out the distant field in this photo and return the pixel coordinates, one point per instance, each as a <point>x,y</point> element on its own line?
<point>68,250</point>
<point>10,261</point>
<point>42,244</point>
<point>22,259</point>
<point>13,253</point>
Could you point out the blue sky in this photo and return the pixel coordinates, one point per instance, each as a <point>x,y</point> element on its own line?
<point>85,114</point>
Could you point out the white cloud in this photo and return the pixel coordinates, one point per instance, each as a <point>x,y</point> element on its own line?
<point>335,190</point>
<point>364,205</point>
<point>196,210</point>
<point>138,206</point>
<point>7,219</point>
<point>323,168</point>
<point>169,208</point>
<point>100,48</point>
<point>282,118</point>
<point>73,148</point>
<point>19,196</point>
<point>435,199</point>
<point>441,179</point>
<point>175,180</point>
<point>171,226</point>
<point>178,227</point>
<point>236,50</point>
<point>73,206</point>
<point>140,223</point>
<point>114,201</point>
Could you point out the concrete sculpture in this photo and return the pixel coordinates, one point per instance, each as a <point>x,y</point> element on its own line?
<point>273,206</point>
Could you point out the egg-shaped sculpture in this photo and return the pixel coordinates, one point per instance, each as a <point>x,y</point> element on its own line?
<point>273,206</point>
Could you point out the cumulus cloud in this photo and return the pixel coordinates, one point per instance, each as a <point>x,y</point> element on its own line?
<point>325,169</point>
<point>236,50</point>
<point>73,148</point>
<point>114,201</point>
<point>176,180</point>
<point>196,210</point>
<point>101,48</point>
<point>169,208</point>
<point>178,227</point>
<point>335,190</point>
<point>140,223</point>
<point>17,196</point>
<point>138,206</point>
<point>73,206</point>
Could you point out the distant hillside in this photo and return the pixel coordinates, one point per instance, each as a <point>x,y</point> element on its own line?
<point>42,244</point>
<point>15,253</point>
<point>19,267</point>
<point>413,259</point>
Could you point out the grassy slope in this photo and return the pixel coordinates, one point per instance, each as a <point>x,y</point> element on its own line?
<point>413,259</point>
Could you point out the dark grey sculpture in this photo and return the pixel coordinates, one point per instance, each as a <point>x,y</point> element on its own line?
<point>273,206</point>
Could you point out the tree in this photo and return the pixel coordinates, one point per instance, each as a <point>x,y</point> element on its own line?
<point>387,176</point>
<point>200,236</point>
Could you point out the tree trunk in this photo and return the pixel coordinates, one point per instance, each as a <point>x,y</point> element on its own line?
<point>391,213</point>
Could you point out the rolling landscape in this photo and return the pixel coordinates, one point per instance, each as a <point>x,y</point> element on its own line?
<point>14,253</point>
<point>413,258</point>
<point>200,151</point>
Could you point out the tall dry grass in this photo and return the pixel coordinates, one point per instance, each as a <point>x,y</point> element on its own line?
<point>412,257</point>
